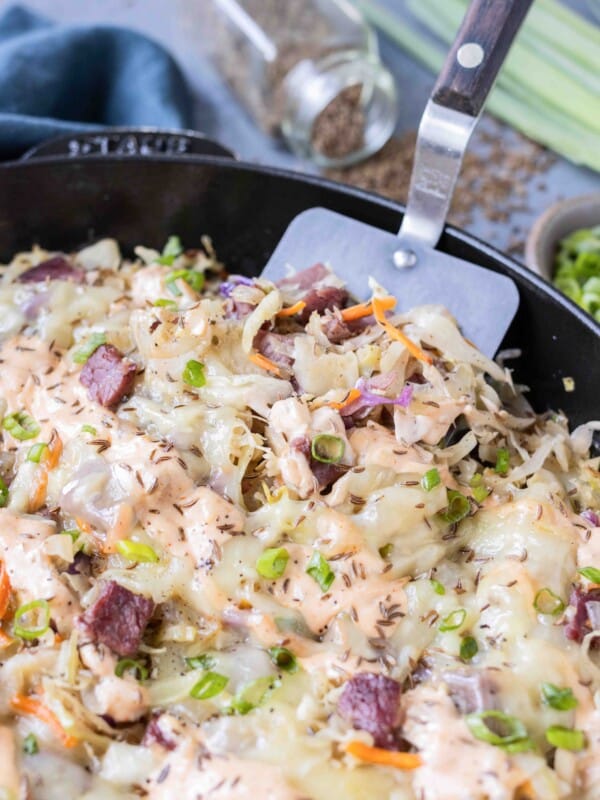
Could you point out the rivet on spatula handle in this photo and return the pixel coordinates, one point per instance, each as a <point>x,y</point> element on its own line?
<point>480,47</point>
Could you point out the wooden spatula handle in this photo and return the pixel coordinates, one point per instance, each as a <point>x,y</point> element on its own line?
<point>485,36</point>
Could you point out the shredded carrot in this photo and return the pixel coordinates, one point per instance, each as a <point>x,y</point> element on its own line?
<point>264,363</point>
<point>352,395</point>
<point>83,526</point>
<point>39,495</point>
<point>54,452</point>
<point>525,791</point>
<point>21,704</point>
<point>394,333</point>
<point>5,589</point>
<point>5,639</point>
<point>366,309</point>
<point>389,758</point>
<point>295,309</point>
<point>49,461</point>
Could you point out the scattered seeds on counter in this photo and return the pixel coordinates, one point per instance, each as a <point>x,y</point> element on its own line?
<point>496,173</point>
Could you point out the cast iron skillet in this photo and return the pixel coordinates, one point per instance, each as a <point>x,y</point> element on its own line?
<point>142,186</point>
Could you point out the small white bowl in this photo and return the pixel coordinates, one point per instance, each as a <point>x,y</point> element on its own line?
<point>558,221</point>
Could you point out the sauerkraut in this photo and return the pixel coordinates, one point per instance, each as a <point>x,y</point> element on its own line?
<point>260,541</point>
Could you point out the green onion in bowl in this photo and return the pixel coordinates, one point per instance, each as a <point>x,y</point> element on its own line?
<point>577,268</point>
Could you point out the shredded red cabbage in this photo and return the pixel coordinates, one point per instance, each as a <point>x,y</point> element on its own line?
<point>370,399</point>
<point>586,616</point>
<point>591,517</point>
<point>227,287</point>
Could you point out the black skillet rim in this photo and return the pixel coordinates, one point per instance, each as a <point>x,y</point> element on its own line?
<point>538,285</point>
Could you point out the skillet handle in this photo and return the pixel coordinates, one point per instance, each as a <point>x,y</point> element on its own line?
<point>479,50</point>
<point>130,142</point>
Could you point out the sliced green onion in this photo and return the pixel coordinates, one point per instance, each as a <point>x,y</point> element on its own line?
<point>458,507</point>
<point>499,729</point>
<point>210,685</point>
<point>480,491</point>
<point>468,648</point>
<point>30,745</point>
<point>193,374</point>
<point>591,573</point>
<point>520,746</point>
<point>164,302</point>
<point>88,429</point>
<point>204,661</point>
<point>557,697</point>
<point>565,738</point>
<point>296,625</point>
<point>284,659</point>
<point>137,551</point>
<point>386,551</point>
<point>327,449</point>
<point>3,494</point>
<point>192,277</point>
<point>21,425</point>
<point>171,250</point>
<point>89,348</point>
<point>272,563</point>
<point>195,279</point>
<point>74,533</point>
<point>32,620</point>
<point>438,587</point>
<point>454,620</point>
<point>140,672</point>
<point>546,602</point>
<point>320,571</point>
<point>252,694</point>
<point>36,451</point>
<point>502,461</point>
<point>431,479</point>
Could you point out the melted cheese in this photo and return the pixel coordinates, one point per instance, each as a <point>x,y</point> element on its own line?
<point>210,477</point>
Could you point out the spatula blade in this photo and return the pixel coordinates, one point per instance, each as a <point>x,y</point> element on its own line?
<point>483,302</point>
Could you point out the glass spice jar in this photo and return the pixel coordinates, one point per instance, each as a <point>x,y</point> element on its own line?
<point>308,70</point>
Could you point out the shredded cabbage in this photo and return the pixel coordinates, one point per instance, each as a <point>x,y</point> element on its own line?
<point>441,508</point>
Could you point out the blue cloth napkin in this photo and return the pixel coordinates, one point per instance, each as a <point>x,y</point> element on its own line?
<point>57,79</point>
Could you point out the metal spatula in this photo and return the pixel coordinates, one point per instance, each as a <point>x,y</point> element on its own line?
<point>407,264</point>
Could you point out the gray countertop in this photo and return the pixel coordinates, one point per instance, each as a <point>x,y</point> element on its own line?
<point>217,113</point>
